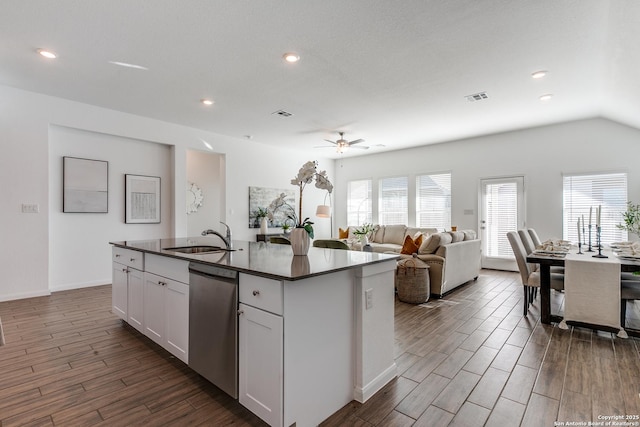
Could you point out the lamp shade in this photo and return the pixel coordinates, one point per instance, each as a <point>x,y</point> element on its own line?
<point>323,211</point>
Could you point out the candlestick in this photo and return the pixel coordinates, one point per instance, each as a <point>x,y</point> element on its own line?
<point>598,212</point>
<point>589,250</point>
<point>599,254</point>
<point>590,209</point>
<point>579,239</point>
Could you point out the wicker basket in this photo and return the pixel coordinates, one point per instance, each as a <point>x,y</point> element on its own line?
<point>412,281</point>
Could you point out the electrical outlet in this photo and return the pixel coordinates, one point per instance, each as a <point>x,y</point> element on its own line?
<point>368,296</point>
<point>30,208</point>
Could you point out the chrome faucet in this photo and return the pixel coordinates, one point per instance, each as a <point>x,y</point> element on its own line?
<point>228,236</point>
<point>226,240</point>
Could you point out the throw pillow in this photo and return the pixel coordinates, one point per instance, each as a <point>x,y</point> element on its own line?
<point>343,234</point>
<point>411,246</point>
<point>433,242</point>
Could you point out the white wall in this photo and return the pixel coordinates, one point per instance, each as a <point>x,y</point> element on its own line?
<point>72,235</point>
<point>25,120</point>
<point>205,170</point>
<point>540,154</point>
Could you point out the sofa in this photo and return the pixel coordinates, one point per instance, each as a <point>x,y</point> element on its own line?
<point>453,257</point>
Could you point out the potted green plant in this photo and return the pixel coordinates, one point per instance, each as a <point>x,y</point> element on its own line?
<point>631,219</point>
<point>363,232</point>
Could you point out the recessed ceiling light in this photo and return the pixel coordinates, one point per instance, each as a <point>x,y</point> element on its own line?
<point>291,57</point>
<point>206,101</point>
<point>47,53</point>
<point>127,65</point>
<point>546,97</point>
<point>539,74</point>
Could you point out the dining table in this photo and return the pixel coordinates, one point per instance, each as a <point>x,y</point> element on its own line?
<point>548,260</point>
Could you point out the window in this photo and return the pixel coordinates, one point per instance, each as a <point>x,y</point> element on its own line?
<point>394,201</point>
<point>583,194</point>
<point>359,202</point>
<point>433,201</point>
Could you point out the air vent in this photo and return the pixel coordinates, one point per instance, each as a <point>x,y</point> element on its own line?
<point>477,97</point>
<point>283,113</point>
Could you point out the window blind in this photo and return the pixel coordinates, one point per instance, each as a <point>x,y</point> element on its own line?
<point>359,209</point>
<point>501,208</point>
<point>433,201</point>
<point>393,202</point>
<point>582,193</point>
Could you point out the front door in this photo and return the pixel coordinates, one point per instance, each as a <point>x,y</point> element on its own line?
<point>501,211</point>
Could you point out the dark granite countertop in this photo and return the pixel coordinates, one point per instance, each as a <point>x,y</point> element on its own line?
<point>260,258</point>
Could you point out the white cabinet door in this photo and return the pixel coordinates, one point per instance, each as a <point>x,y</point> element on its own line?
<point>154,307</point>
<point>177,319</point>
<point>260,364</point>
<point>119,290</point>
<point>135,300</point>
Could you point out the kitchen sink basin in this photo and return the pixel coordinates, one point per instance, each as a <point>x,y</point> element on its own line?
<point>203,249</point>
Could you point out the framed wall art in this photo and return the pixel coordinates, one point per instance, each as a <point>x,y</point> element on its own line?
<point>85,185</point>
<point>142,199</point>
<point>261,198</point>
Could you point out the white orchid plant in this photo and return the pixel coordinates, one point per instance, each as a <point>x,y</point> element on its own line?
<point>306,175</point>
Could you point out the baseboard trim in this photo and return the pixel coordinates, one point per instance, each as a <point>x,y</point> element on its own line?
<point>362,394</point>
<point>70,286</point>
<point>12,297</point>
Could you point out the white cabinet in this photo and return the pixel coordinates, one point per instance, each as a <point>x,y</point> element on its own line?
<point>126,283</point>
<point>166,314</point>
<point>135,300</point>
<point>260,364</point>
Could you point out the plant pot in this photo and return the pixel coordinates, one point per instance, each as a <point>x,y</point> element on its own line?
<point>299,241</point>
<point>264,225</point>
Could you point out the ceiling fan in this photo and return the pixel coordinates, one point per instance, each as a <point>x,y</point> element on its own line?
<point>342,145</point>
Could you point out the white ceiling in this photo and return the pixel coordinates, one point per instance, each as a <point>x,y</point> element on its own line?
<point>395,73</point>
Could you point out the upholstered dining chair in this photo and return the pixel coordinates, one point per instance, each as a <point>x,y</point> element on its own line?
<point>330,244</point>
<point>534,237</point>
<point>530,279</point>
<point>530,246</point>
<point>279,240</point>
<point>629,290</point>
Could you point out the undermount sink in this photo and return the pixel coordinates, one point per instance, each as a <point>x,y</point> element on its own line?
<point>196,249</point>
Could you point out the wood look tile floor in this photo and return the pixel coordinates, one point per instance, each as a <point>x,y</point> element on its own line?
<point>470,359</point>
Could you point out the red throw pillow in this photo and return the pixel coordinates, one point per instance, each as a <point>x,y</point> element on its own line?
<point>411,246</point>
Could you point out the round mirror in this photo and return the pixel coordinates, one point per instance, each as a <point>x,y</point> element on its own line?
<point>194,197</point>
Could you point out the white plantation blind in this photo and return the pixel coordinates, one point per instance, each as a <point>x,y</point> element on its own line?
<point>359,202</point>
<point>582,192</point>
<point>433,201</point>
<point>394,200</point>
<point>502,216</point>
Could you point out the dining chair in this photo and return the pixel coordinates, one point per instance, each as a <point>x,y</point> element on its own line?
<point>330,244</point>
<point>534,237</point>
<point>629,290</point>
<point>530,279</point>
<point>279,240</point>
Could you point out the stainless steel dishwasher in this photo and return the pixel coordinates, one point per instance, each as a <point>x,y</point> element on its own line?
<point>213,325</point>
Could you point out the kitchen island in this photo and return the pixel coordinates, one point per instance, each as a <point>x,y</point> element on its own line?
<point>314,332</point>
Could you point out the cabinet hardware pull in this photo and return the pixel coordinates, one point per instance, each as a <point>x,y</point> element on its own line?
<point>240,312</point>
<point>256,293</point>
<point>117,255</point>
<point>132,259</point>
<point>124,270</point>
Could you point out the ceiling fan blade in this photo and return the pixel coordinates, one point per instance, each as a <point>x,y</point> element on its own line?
<point>356,141</point>
<point>324,146</point>
<point>361,147</point>
<point>332,142</point>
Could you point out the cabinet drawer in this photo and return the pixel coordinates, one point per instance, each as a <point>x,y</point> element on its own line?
<point>133,259</point>
<point>260,292</point>
<point>165,266</point>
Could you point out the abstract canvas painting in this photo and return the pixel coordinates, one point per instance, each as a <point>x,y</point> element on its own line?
<point>142,199</point>
<point>85,185</point>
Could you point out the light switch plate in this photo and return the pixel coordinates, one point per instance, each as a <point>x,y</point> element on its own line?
<point>30,208</point>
